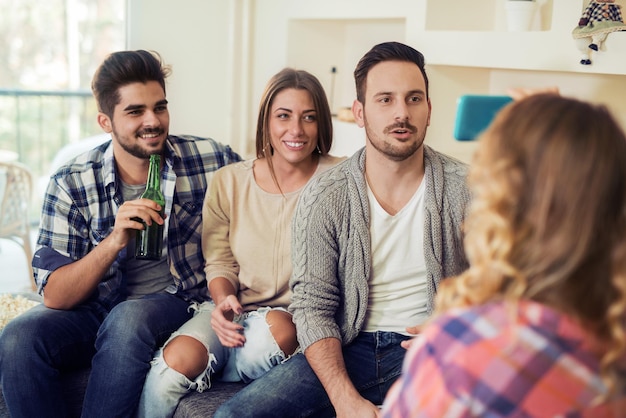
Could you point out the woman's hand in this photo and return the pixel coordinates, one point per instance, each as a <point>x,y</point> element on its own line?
<point>229,333</point>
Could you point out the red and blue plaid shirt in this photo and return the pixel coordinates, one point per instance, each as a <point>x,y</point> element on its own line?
<point>484,362</point>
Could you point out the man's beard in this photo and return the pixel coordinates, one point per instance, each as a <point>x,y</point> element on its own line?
<point>134,148</point>
<point>392,151</point>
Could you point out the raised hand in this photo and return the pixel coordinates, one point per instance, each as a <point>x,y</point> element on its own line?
<point>229,333</point>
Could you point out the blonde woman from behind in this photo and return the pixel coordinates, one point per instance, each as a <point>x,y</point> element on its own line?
<point>536,325</point>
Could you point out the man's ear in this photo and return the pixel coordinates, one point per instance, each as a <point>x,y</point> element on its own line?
<point>105,122</point>
<point>357,111</point>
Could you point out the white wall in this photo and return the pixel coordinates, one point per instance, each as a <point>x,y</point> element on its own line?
<point>193,37</point>
<point>223,52</point>
<point>202,40</point>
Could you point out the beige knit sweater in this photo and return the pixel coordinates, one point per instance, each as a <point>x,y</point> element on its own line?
<point>246,235</point>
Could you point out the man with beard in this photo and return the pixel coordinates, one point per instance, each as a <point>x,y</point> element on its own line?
<point>102,308</point>
<point>372,239</point>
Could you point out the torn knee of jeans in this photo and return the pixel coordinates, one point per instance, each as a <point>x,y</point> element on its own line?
<point>285,358</point>
<point>204,380</point>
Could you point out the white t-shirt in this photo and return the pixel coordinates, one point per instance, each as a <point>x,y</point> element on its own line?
<point>397,297</point>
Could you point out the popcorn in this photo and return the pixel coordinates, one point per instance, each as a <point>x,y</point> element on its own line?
<point>12,306</point>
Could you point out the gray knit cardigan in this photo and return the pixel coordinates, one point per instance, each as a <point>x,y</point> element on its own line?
<point>331,251</point>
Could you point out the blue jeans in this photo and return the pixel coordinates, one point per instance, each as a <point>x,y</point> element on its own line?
<point>291,389</point>
<point>39,345</point>
<point>164,387</point>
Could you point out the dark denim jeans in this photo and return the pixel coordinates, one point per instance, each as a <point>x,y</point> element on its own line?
<point>41,343</point>
<point>291,389</point>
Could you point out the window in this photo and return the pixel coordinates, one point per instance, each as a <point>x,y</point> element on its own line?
<point>50,51</point>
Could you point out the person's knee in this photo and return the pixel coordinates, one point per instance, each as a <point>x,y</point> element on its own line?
<point>122,319</point>
<point>10,343</point>
<point>18,339</point>
<point>283,330</point>
<point>128,324</point>
<point>186,355</point>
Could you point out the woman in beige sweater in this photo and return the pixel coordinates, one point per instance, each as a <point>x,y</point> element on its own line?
<point>247,246</point>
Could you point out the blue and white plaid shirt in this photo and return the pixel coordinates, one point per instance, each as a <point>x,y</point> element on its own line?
<point>83,198</point>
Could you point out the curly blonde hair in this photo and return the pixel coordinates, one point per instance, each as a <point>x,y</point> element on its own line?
<point>548,218</point>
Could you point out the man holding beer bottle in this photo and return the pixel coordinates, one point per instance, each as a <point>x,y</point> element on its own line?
<point>103,307</point>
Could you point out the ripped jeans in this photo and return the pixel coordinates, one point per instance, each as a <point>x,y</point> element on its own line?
<point>164,387</point>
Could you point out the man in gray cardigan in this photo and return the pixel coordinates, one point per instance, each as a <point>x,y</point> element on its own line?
<point>372,239</point>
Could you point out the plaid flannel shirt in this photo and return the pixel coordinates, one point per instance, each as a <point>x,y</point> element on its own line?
<point>482,362</point>
<point>83,198</point>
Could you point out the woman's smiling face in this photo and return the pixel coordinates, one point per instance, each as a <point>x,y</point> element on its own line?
<point>293,125</point>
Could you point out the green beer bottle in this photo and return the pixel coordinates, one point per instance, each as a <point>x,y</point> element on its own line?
<point>149,241</point>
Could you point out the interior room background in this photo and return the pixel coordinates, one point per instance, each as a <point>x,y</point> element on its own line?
<point>223,53</point>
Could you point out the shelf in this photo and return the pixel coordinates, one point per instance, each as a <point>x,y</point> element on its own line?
<point>539,51</point>
<point>474,35</point>
<point>491,46</point>
<point>480,15</point>
<point>468,50</point>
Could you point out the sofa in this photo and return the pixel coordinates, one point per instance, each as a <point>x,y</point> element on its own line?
<point>194,405</point>
<point>74,384</point>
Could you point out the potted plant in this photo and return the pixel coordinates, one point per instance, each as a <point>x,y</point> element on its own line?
<point>520,14</point>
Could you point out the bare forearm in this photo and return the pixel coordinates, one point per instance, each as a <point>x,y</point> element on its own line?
<point>326,360</point>
<point>73,283</point>
<point>220,288</point>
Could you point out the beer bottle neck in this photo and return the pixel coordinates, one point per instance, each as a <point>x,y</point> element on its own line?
<point>154,180</point>
<point>153,186</point>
